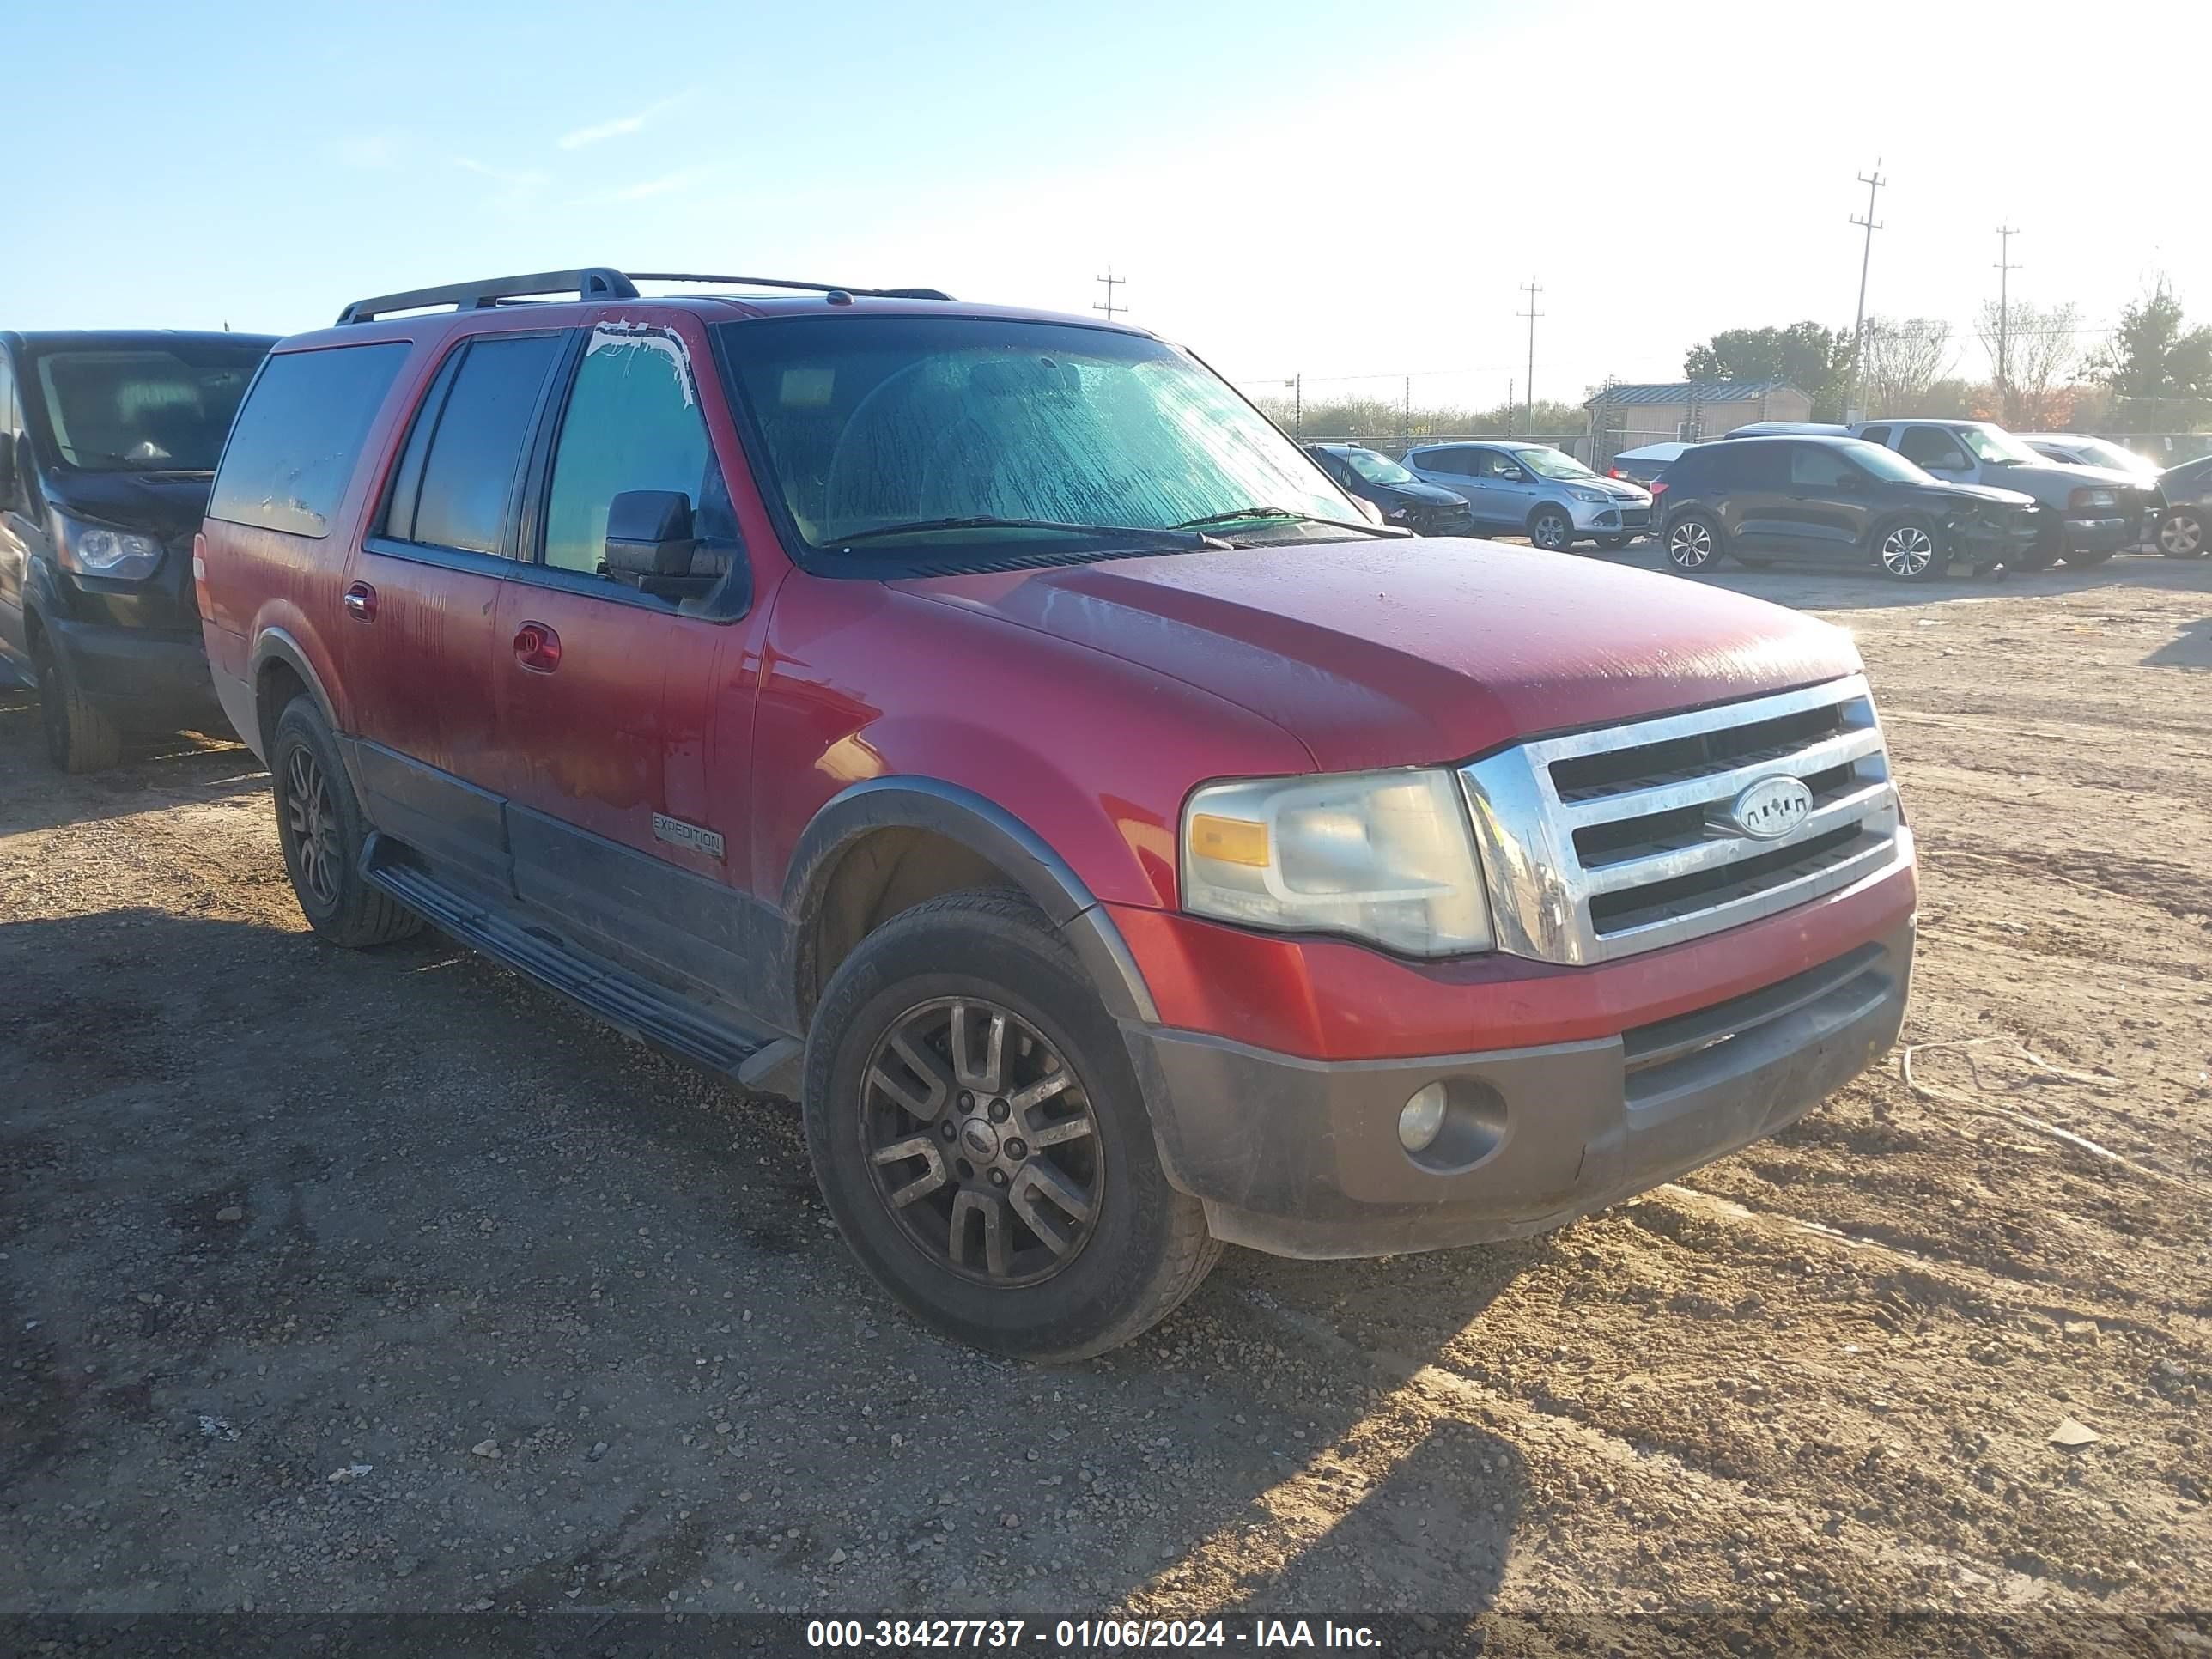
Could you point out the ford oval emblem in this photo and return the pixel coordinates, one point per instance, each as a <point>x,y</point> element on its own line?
<point>1769,809</point>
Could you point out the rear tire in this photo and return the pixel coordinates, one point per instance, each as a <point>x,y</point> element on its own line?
<point>2181,534</point>
<point>915,1126</point>
<point>1551,529</point>
<point>1909,551</point>
<point>1693,543</point>
<point>320,828</point>
<point>79,737</point>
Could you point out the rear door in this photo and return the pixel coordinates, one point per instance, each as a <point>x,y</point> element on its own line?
<point>1823,511</point>
<point>1447,468</point>
<point>1753,495</point>
<point>608,697</point>
<point>422,603</point>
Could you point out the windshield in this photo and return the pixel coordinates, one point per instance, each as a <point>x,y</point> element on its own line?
<point>1996,445</point>
<point>915,427</point>
<point>1378,469</point>
<point>1885,463</point>
<point>1551,464</point>
<point>163,408</point>
<point>2098,452</point>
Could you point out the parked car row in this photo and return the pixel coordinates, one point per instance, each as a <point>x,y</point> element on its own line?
<point>987,728</point>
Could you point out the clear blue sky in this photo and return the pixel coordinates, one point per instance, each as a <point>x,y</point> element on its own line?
<point>1290,187</point>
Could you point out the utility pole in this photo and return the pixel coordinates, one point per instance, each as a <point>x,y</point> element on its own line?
<point>1874,181</point>
<point>1512,403</point>
<point>1296,385</point>
<point>1106,305</point>
<point>2005,269</point>
<point>1530,289</point>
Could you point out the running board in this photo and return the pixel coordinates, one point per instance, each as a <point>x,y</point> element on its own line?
<point>629,1004</point>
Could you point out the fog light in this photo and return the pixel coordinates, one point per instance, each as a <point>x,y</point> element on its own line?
<point>1423,1119</point>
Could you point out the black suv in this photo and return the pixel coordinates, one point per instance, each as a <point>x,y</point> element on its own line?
<point>1402,498</point>
<point>108,442</point>
<point>1821,498</point>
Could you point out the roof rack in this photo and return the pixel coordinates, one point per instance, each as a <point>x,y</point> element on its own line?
<point>590,282</point>
<point>811,288</point>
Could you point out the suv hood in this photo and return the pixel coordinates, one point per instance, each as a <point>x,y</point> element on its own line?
<point>2053,485</point>
<point>1987,494</point>
<point>167,505</point>
<point>1405,653</point>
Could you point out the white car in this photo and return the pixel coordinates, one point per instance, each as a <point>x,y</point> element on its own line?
<point>2084,450</point>
<point>1641,465</point>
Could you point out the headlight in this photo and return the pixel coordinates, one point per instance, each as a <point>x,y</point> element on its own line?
<point>2095,498</point>
<point>1581,495</point>
<point>1384,856</point>
<point>93,549</point>
<point>1399,515</point>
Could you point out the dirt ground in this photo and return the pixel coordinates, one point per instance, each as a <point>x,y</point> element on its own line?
<point>386,1282</point>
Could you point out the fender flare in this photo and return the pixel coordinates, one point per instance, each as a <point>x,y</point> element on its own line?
<point>985,827</point>
<point>276,645</point>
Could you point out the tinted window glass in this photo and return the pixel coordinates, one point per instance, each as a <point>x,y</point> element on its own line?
<point>1454,461</point>
<point>1876,435</point>
<point>125,407</point>
<point>1496,464</point>
<point>1752,466</point>
<point>633,424</point>
<point>1931,446</point>
<point>468,474</point>
<point>291,452</point>
<point>1817,468</point>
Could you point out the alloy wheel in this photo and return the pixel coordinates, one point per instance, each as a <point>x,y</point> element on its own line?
<point>981,1142</point>
<point>2181,535</point>
<point>1690,544</point>
<point>1907,551</point>
<point>312,816</point>
<point>1550,532</point>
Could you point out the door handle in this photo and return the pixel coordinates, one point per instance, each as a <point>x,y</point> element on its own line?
<point>360,602</point>
<point>537,647</point>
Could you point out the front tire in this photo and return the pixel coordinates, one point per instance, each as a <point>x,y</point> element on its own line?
<point>1693,543</point>
<point>320,829</point>
<point>980,1136</point>
<point>1551,529</point>
<point>1908,551</point>
<point>80,738</point>
<point>2181,534</point>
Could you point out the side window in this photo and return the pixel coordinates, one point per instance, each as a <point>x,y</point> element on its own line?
<point>1931,446</point>
<point>294,447</point>
<point>1752,466</point>
<point>17,490</point>
<point>1812,467</point>
<point>633,424</point>
<point>1435,460</point>
<point>1496,464</point>
<point>457,475</point>
<point>1876,435</point>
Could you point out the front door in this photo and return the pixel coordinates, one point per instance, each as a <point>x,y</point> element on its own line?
<point>1938,450</point>
<point>606,732</point>
<point>1504,494</point>
<point>423,602</point>
<point>17,526</point>
<point>1825,513</point>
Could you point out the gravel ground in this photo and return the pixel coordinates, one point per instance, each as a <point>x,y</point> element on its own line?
<point>351,1282</point>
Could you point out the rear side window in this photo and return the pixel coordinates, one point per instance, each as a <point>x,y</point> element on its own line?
<point>291,452</point>
<point>457,476</point>
<point>1444,460</point>
<point>1750,465</point>
<point>1876,435</point>
<point>633,424</point>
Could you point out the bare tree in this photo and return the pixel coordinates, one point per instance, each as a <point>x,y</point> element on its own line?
<point>2034,360</point>
<point>1904,359</point>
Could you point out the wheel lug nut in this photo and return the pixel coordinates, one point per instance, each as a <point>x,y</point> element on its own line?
<point>948,1132</point>
<point>967,1102</point>
<point>1017,1149</point>
<point>998,1178</point>
<point>999,1111</point>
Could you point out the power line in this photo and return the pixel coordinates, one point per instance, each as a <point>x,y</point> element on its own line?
<point>1874,181</point>
<point>1106,305</point>
<point>1530,289</point>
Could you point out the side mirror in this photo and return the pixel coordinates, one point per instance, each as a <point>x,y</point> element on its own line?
<point>649,534</point>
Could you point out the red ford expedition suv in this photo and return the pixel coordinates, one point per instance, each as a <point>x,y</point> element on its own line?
<point>987,726</point>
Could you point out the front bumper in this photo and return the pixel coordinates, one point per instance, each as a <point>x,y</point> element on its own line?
<point>1611,518</point>
<point>2101,535</point>
<point>1301,1157</point>
<point>152,678</point>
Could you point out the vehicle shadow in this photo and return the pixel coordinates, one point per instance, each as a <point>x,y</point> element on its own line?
<point>153,772</point>
<point>378,1208</point>
<point>2193,648</point>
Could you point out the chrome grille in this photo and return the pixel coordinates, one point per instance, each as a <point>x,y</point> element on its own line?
<point>1602,844</point>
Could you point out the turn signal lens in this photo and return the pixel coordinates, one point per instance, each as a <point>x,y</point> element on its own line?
<point>1231,841</point>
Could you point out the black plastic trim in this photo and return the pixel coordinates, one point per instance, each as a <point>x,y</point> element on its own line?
<point>589,282</point>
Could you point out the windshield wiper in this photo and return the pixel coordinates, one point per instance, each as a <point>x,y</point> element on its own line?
<point>1183,537</point>
<point>1239,513</point>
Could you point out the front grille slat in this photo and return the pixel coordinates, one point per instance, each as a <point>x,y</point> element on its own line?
<point>1602,843</point>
